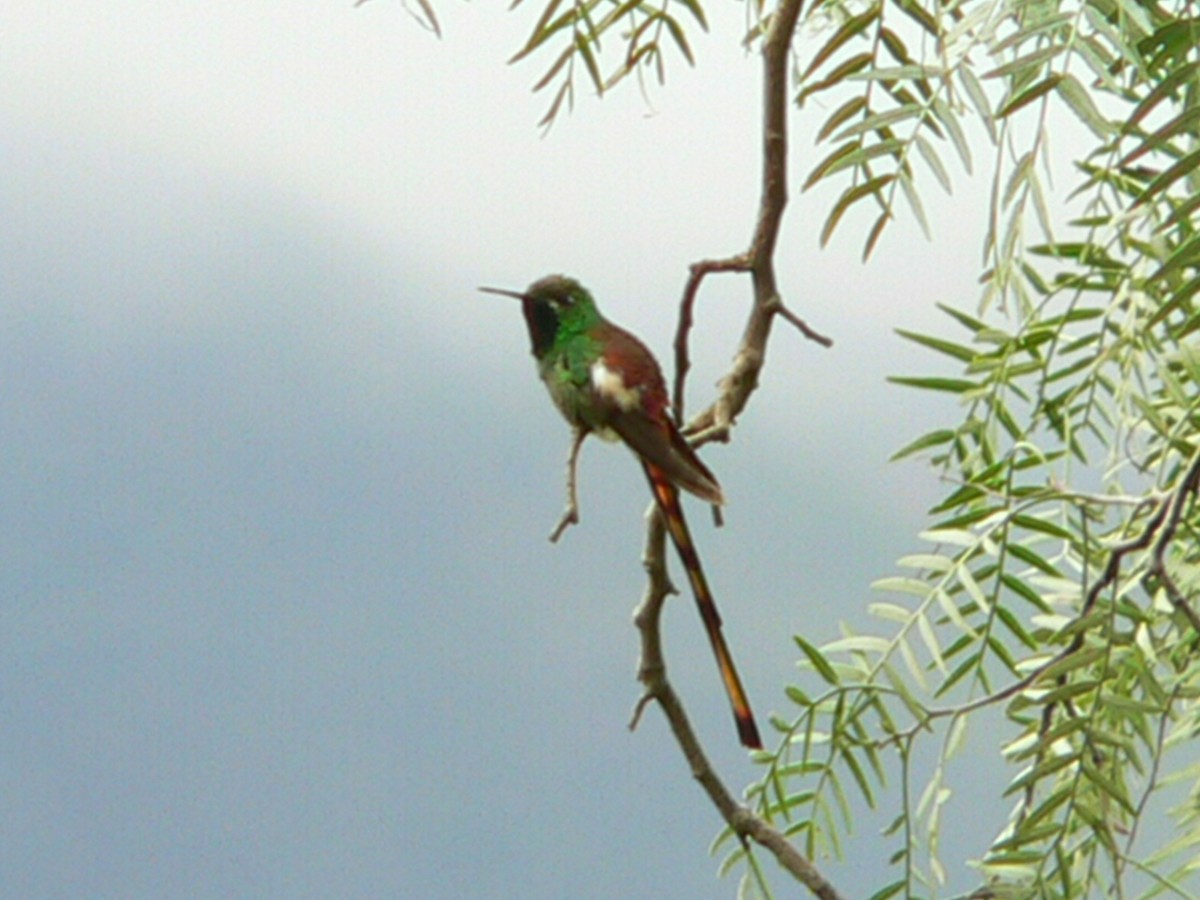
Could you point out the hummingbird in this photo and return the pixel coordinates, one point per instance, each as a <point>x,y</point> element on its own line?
<point>605,382</point>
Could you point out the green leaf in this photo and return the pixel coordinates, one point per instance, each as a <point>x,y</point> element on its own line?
<point>1079,99</point>
<point>1027,96</point>
<point>949,118</point>
<point>1167,86</point>
<point>950,385</point>
<point>879,121</point>
<point>978,97</point>
<point>911,72</point>
<point>1034,23</point>
<point>949,348</point>
<point>583,46</point>
<point>842,114</point>
<point>890,612</point>
<point>825,166</point>
<point>555,68</point>
<point>1021,589</point>
<point>1107,785</point>
<point>854,25</point>
<point>1013,624</point>
<point>1182,257</point>
<point>967,665</point>
<point>892,890</point>
<point>680,38</point>
<point>1134,17</point>
<point>918,14</point>
<point>1068,691</point>
<point>860,779</point>
<point>934,162</point>
<point>542,31</point>
<point>903,691</point>
<point>1021,172</point>
<point>849,197</point>
<point>894,44</point>
<point>902,585</point>
<point>929,639</point>
<point>837,76</point>
<point>1182,126</point>
<point>427,19</point>
<point>1081,658</point>
<point>697,12</point>
<point>1029,62</point>
<point>1041,770</point>
<point>874,234</point>
<point>914,202</point>
<point>819,663</point>
<point>972,324</point>
<point>910,662</point>
<point>950,608</point>
<point>974,591</point>
<point>1182,168</point>
<point>564,91</point>
<point>1038,524</point>
<point>863,155</point>
<point>932,439</point>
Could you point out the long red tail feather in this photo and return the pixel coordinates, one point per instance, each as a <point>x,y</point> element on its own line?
<point>667,496</point>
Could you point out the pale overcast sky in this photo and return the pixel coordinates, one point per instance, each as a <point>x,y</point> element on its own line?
<point>278,615</point>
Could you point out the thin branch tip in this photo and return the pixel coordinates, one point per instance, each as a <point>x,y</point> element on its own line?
<point>803,327</point>
<point>638,709</point>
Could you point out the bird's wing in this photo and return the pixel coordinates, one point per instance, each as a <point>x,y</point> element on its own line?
<point>658,441</point>
<point>632,401</point>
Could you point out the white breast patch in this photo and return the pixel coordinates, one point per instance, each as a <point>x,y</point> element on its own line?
<point>610,385</point>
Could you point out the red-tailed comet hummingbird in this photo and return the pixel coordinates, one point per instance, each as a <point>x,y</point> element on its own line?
<point>604,381</point>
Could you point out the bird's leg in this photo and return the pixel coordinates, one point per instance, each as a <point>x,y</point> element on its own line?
<point>718,519</point>
<point>570,515</point>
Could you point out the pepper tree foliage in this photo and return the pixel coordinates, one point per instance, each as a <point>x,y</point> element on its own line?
<point>1056,598</point>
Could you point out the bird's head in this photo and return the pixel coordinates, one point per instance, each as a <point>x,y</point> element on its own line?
<point>555,306</point>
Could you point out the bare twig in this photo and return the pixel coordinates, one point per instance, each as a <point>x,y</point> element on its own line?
<point>803,327</point>
<point>696,273</point>
<point>570,515</point>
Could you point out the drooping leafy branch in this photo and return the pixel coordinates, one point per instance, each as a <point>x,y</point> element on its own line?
<point>1061,584</point>
<point>580,27</point>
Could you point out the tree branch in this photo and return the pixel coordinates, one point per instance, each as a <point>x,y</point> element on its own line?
<point>696,273</point>
<point>652,672</point>
<point>1156,534</point>
<point>741,380</point>
<point>1174,507</point>
<point>714,424</point>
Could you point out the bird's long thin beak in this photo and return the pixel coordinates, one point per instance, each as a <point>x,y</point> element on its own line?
<point>503,293</point>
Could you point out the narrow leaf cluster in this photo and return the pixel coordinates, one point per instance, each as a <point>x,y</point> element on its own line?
<point>1055,605</point>
<point>578,29</point>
